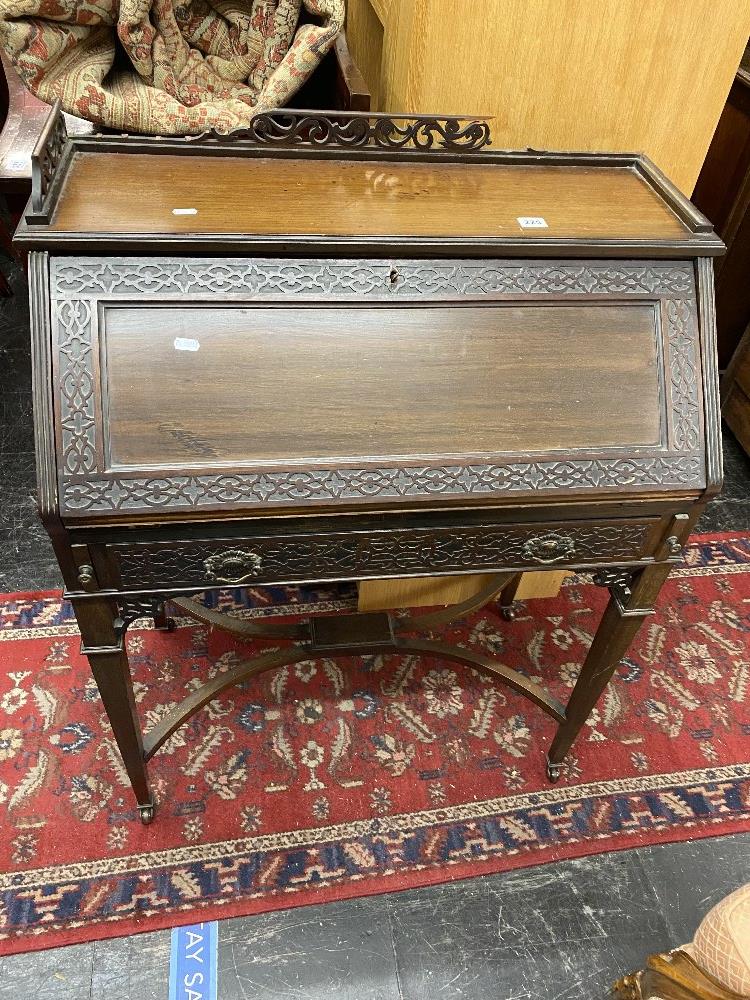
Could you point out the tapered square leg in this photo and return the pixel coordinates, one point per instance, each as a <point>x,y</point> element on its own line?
<point>103,645</point>
<point>628,606</point>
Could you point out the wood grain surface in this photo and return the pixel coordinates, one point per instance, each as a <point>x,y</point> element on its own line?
<point>344,382</point>
<point>643,75</point>
<point>356,198</point>
<point>425,592</point>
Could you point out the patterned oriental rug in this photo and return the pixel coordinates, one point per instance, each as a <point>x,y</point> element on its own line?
<point>339,779</point>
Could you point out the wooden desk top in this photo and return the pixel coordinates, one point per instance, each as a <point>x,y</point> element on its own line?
<point>275,197</point>
<point>247,195</point>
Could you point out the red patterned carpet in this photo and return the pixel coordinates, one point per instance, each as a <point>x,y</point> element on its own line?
<point>330,780</point>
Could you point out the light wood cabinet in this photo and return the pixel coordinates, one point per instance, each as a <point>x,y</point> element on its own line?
<point>637,75</point>
<point>616,75</point>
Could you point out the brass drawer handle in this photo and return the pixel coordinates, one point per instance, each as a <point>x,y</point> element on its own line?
<point>549,548</point>
<point>234,566</point>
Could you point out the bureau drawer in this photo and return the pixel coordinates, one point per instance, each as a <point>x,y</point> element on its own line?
<point>396,552</point>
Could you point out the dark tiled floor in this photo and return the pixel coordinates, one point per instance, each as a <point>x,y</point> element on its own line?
<point>562,931</point>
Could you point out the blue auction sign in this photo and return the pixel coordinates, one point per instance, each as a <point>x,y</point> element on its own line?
<point>192,967</point>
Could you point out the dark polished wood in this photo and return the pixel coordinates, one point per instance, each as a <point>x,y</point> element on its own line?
<point>104,645</point>
<point>348,635</point>
<point>372,437</point>
<point>481,384</point>
<point>239,627</point>
<point>347,197</point>
<point>405,386</point>
<point>23,117</point>
<point>375,198</point>
<point>723,193</point>
<point>303,551</point>
<point>735,391</point>
<point>632,599</point>
<point>194,702</point>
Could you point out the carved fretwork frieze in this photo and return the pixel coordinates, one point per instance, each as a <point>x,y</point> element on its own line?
<point>100,493</point>
<point>684,377</point>
<point>80,284</point>
<point>268,278</point>
<point>337,556</point>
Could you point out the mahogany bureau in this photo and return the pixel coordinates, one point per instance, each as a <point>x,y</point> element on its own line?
<point>350,347</point>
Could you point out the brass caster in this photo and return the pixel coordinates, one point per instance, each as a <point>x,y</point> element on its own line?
<point>554,771</point>
<point>147,813</point>
<point>508,613</point>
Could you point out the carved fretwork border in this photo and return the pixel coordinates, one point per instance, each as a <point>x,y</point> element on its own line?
<point>378,553</point>
<point>130,277</point>
<point>75,374</point>
<point>78,284</point>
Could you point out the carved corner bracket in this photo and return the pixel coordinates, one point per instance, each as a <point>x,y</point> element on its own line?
<point>619,583</point>
<point>130,609</point>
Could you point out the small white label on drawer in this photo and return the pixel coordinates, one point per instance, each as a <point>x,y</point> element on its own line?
<point>532,222</point>
<point>186,344</point>
<point>184,211</point>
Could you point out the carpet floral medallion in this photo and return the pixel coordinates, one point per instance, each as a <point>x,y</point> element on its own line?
<point>334,779</point>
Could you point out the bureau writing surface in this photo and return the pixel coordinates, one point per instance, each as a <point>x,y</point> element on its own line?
<point>345,381</point>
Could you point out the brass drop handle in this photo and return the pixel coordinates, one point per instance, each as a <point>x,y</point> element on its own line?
<point>85,575</point>
<point>233,566</point>
<point>549,548</point>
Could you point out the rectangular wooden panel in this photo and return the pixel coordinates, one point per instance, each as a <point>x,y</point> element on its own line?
<point>200,385</point>
<point>263,196</point>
